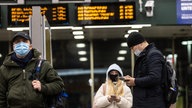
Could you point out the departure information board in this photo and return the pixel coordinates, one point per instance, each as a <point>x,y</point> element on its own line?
<point>105,13</point>
<point>56,14</point>
<point>71,0</point>
<point>8,1</point>
<point>0,19</point>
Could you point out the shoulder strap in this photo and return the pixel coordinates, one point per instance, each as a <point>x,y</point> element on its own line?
<point>38,65</point>
<point>37,68</point>
<point>104,88</point>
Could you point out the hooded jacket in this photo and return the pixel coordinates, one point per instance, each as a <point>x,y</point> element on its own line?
<point>101,100</point>
<point>16,89</point>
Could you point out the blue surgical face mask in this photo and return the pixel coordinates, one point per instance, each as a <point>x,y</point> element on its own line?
<point>137,52</point>
<point>21,48</point>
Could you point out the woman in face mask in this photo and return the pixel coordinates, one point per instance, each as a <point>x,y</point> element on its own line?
<point>113,93</point>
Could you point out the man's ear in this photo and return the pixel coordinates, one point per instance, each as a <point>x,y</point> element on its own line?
<point>30,46</point>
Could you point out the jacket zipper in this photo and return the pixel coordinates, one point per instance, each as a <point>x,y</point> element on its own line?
<point>24,90</point>
<point>24,75</point>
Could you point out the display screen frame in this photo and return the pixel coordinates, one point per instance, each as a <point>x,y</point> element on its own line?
<point>111,7</point>
<point>8,1</point>
<point>48,14</point>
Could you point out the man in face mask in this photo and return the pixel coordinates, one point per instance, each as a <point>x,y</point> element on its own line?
<point>17,88</point>
<point>146,83</point>
<point>21,44</point>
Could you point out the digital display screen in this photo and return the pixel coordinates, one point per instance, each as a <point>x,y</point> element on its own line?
<point>0,19</point>
<point>56,14</point>
<point>184,11</point>
<point>8,1</point>
<point>105,13</point>
<point>71,0</point>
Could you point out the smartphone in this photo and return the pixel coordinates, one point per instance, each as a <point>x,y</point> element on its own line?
<point>122,78</point>
<point>113,96</point>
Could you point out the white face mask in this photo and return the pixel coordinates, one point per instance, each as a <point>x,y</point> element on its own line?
<point>137,52</point>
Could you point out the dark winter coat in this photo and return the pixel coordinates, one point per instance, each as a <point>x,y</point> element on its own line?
<point>16,89</point>
<point>147,72</point>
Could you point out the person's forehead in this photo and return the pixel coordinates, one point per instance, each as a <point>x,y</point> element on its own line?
<point>133,47</point>
<point>113,71</point>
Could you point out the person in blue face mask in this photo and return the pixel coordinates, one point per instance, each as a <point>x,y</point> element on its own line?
<point>21,44</point>
<point>17,87</point>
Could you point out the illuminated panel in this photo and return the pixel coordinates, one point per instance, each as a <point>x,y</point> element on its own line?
<point>57,15</point>
<point>105,13</point>
<point>71,0</point>
<point>8,1</point>
<point>0,19</point>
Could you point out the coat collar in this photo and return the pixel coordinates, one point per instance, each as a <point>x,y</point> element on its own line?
<point>9,62</point>
<point>147,49</point>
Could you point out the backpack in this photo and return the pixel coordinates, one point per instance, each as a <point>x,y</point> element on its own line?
<point>169,81</point>
<point>53,101</point>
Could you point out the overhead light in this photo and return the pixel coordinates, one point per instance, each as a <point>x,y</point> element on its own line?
<point>77,32</point>
<point>108,26</point>
<point>126,35</point>
<point>79,37</point>
<point>80,45</point>
<point>27,28</point>
<point>120,58</point>
<point>141,25</point>
<point>124,44</point>
<point>18,28</point>
<point>82,52</point>
<point>130,31</point>
<point>90,82</point>
<point>83,59</point>
<point>186,42</point>
<point>77,28</point>
<point>1,55</point>
<point>62,27</point>
<point>122,52</point>
<point>120,26</point>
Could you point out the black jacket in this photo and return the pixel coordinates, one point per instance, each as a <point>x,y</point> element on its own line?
<point>147,72</point>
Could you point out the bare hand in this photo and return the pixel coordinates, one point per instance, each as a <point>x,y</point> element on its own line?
<point>36,85</point>
<point>114,98</point>
<point>130,80</point>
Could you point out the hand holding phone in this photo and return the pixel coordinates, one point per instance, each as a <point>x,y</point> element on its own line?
<point>112,98</point>
<point>123,79</point>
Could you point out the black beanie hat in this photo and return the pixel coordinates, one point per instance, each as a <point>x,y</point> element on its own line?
<point>134,38</point>
<point>21,34</point>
